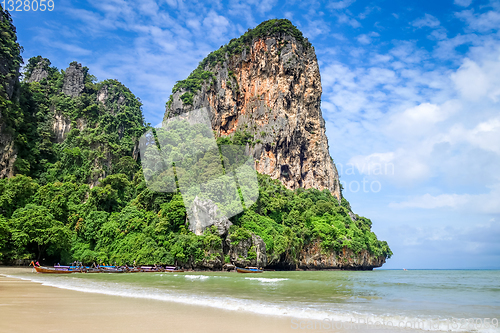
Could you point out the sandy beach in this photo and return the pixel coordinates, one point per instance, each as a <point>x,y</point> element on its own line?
<point>28,306</point>
<point>31,307</point>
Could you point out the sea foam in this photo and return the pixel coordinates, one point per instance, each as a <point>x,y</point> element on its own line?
<point>266,280</point>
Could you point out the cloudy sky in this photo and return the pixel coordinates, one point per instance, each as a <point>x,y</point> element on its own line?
<point>411,98</point>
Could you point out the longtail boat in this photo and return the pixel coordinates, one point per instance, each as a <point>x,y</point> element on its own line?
<point>42,269</point>
<point>248,270</point>
<point>151,269</point>
<point>111,269</point>
<point>173,269</point>
<point>58,269</point>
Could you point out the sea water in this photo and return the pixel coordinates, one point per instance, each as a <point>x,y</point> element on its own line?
<point>437,300</point>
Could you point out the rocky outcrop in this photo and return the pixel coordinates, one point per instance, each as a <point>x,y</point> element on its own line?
<point>311,257</point>
<point>10,60</point>
<point>227,254</point>
<point>61,126</point>
<point>40,71</point>
<point>110,99</point>
<point>74,80</point>
<point>247,252</point>
<point>8,153</point>
<point>271,89</point>
<point>204,214</point>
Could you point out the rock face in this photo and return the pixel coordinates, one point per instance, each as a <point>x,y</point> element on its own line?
<point>205,214</point>
<point>112,101</point>
<point>10,61</point>
<point>61,126</point>
<point>8,154</point>
<point>74,80</point>
<point>247,252</point>
<point>40,71</point>
<point>311,257</point>
<point>270,89</point>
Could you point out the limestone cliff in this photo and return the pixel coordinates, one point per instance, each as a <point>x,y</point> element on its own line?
<point>74,80</point>
<point>40,71</point>
<point>99,122</point>
<point>10,60</point>
<point>267,85</point>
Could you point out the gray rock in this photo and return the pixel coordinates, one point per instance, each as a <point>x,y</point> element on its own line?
<point>61,126</point>
<point>112,101</point>
<point>40,71</point>
<point>8,153</point>
<point>102,94</point>
<point>205,213</point>
<point>311,257</point>
<point>229,267</point>
<point>238,253</point>
<point>74,80</point>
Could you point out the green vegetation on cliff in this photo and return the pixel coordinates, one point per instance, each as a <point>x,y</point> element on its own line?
<point>10,55</point>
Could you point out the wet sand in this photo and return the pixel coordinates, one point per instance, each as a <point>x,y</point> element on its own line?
<point>27,306</point>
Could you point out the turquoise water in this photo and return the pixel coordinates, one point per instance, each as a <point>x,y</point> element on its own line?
<point>447,298</point>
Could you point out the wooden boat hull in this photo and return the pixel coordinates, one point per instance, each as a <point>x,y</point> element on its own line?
<point>107,270</point>
<point>41,269</point>
<point>246,270</point>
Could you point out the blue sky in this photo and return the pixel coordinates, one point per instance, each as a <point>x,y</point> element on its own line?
<point>411,98</point>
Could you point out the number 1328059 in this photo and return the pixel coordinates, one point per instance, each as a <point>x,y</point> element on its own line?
<point>27,5</point>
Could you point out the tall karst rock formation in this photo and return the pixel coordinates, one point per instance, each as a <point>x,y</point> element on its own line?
<point>266,85</point>
<point>10,61</point>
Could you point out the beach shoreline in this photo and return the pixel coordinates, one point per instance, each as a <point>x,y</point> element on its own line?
<point>27,306</point>
<point>32,301</point>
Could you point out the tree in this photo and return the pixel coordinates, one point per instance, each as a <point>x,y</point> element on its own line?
<point>15,193</point>
<point>173,213</point>
<point>35,230</point>
<point>4,237</point>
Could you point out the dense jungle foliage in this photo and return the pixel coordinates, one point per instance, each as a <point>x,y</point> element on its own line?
<point>84,196</point>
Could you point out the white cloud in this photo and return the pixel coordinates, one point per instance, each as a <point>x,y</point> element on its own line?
<point>401,167</point>
<point>367,12</point>
<point>419,121</point>
<point>367,38</point>
<point>428,201</point>
<point>216,25</point>
<point>343,18</point>
<point>148,7</point>
<point>485,22</point>
<point>439,127</point>
<point>476,81</point>
<point>463,3</point>
<point>485,135</point>
<point>426,21</point>
<point>315,27</point>
<point>71,48</point>
<point>486,203</point>
<point>340,4</point>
